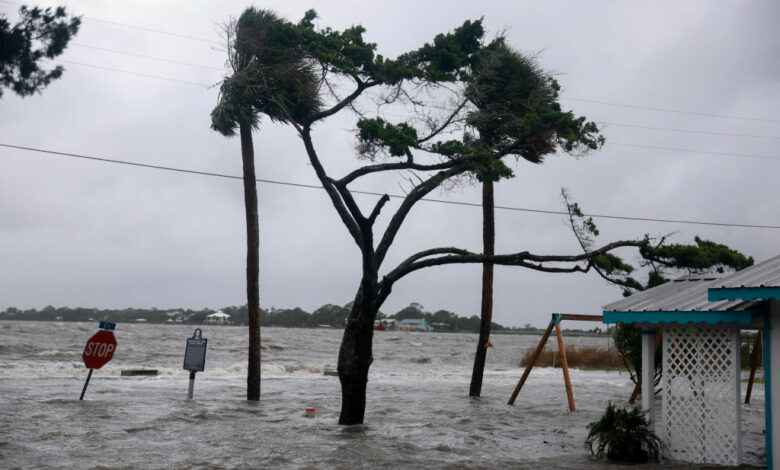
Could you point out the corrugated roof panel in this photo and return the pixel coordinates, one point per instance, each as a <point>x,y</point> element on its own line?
<point>688,293</point>
<point>764,274</point>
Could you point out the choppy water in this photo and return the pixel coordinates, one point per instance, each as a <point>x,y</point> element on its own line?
<point>419,414</point>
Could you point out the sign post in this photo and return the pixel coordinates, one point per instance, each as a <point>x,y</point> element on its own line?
<point>195,357</point>
<point>99,350</point>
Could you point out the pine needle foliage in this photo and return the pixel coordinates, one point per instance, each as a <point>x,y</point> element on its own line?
<point>40,34</point>
<point>517,113</point>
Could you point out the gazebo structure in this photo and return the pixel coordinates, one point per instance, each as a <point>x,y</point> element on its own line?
<point>701,318</point>
<point>218,318</point>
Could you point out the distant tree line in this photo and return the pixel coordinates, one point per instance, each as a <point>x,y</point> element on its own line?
<point>328,315</point>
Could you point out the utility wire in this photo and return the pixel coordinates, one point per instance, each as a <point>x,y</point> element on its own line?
<point>666,110</point>
<point>140,28</point>
<point>157,77</point>
<point>622,105</point>
<point>172,61</point>
<point>157,31</point>
<point>691,131</point>
<point>372,193</point>
<point>671,149</point>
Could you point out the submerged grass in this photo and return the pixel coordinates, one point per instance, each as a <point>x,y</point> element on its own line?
<point>579,357</point>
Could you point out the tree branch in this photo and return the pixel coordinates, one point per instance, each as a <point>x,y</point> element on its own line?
<point>361,87</point>
<point>523,259</point>
<point>378,208</point>
<point>446,123</point>
<point>417,193</point>
<point>327,183</point>
<point>350,203</point>
<point>407,165</point>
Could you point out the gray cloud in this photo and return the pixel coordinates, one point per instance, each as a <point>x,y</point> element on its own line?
<point>94,234</point>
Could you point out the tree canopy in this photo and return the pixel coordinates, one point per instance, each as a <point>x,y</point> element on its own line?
<point>40,34</point>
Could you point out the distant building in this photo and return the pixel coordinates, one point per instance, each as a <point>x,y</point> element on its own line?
<point>386,324</point>
<point>414,324</point>
<point>218,318</point>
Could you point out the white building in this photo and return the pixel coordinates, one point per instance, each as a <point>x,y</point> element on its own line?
<point>218,318</point>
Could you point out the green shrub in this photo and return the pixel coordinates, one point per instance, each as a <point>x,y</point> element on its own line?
<point>623,435</point>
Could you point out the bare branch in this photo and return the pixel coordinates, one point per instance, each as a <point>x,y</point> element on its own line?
<point>378,208</point>
<point>417,193</point>
<point>327,183</point>
<point>352,206</point>
<point>407,165</point>
<point>361,87</point>
<point>446,124</point>
<point>522,259</point>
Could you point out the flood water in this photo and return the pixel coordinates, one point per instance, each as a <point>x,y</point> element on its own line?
<point>419,415</point>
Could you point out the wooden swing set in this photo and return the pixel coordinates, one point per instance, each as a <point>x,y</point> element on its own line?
<point>555,322</point>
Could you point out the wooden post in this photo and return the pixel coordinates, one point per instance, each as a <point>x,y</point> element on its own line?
<point>569,393</point>
<point>753,364</point>
<point>635,393</point>
<point>530,365</point>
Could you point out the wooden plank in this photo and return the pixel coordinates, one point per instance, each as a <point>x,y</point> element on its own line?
<point>753,365</point>
<point>578,317</point>
<point>566,381</point>
<point>530,365</point>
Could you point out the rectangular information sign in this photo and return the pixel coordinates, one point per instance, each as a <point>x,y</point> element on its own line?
<point>104,325</point>
<point>195,354</point>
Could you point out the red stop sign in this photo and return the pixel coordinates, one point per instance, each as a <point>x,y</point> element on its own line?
<point>99,350</point>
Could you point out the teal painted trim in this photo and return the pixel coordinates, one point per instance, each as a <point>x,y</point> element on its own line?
<point>768,387</point>
<point>655,317</point>
<point>556,318</point>
<point>742,293</point>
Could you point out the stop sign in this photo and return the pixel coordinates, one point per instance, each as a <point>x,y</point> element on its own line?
<point>99,350</point>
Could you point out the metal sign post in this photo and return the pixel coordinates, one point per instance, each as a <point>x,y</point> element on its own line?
<point>195,357</point>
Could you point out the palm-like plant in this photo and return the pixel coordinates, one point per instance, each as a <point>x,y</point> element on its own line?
<point>623,435</point>
<point>271,76</point>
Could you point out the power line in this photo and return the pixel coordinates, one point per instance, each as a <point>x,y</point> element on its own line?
<point>372,193</point>
<point>671,149</point>
<point>622,105</point>
<point>157,31</point>
<point>666,110</point>
<point>147,56</point>
<point>140,28</point>
<point>691,131</point>
<point>157,77</point>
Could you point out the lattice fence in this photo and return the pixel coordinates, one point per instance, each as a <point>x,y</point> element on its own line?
<point>701,406</point>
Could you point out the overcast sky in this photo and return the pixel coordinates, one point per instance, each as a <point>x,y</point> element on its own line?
<point>83,233</point>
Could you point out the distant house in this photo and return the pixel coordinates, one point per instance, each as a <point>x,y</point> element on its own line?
<point>386,324</point>
<point>218,318</point>
<point>414,324</point>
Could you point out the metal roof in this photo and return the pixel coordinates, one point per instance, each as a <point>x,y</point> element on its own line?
<point>687,293</point>
<point>764,274</point>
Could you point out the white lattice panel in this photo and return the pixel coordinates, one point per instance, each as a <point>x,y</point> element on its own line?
<point>701,408</point>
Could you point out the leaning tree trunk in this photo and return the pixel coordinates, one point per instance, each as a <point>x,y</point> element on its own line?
<point>355,354</point>
<point>252,262</point>
<point>489,248</point>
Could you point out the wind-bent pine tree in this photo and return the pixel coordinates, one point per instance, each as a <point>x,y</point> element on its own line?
<point>271,77</point>
<point>429,82</point>
<point>515,114</point>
